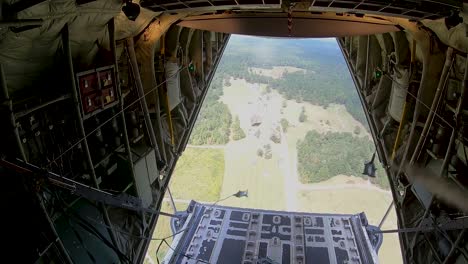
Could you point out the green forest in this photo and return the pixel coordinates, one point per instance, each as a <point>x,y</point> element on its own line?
<point>319,89</point>
<point>327,80</point>
<point>214,121</point>
<point>321,156</point>
<point>236,130</point>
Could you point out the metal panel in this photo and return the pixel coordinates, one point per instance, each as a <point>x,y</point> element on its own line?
<point>142,181</point>
<point>422,9</point>
<point>239,235</point>
<point>274,25</point>
<point>153,171</point>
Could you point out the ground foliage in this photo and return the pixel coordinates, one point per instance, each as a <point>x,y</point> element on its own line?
<point>322,156</point>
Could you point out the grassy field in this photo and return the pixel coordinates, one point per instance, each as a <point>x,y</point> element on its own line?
<point>245,170</point>
<point>277,71</point>
<point>203,171</point>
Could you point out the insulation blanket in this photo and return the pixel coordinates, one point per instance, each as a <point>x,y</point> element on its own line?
<point>32,56</point>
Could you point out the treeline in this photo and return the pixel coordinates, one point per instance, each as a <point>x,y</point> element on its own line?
<point>322,156</point>
<point>320,89</point>
<point>327,80</point>
<point>214,121</point>
<point>236,130</point>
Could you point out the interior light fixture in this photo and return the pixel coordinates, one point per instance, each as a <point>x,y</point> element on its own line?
<point>131,10</point>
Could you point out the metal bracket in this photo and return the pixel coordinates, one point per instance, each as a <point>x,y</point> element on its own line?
<point>122,200</point>
<point>428,226</point>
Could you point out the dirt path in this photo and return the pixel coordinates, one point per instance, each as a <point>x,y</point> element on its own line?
<point>290,175</point>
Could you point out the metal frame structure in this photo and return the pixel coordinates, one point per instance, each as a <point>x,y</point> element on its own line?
<point>425,9</point>
<point>143,136</point>
<point>133,150</point>
<point>414,211</point>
